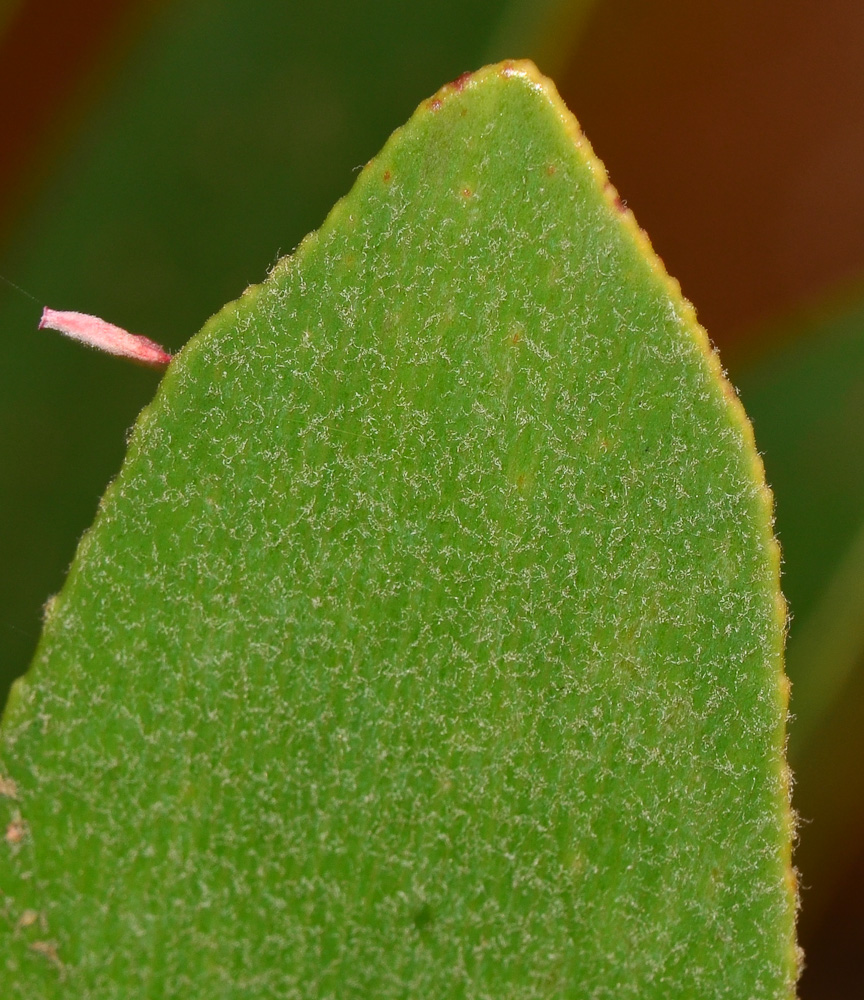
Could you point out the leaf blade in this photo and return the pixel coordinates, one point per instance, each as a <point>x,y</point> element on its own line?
<point>415,595</point>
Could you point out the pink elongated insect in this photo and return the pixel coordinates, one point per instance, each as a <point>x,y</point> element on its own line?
<point>105,336</point>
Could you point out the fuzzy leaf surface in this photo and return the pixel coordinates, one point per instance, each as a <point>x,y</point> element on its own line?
<point>429,642</point>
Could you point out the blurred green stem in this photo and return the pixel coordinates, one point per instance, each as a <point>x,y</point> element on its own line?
<point>828,647</point>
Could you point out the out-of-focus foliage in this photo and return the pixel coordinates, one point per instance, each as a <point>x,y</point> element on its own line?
<point>806,401</point>
<point>7,11</point>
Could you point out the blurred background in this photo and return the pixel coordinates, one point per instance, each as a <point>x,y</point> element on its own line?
<point>156,156</point>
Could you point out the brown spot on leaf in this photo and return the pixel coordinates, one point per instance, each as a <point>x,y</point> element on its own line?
<point>386,175</point>
<point>467,192</point>
<point>615,198</point>
<point>435,104</point>
<point>28,918</point>
<point>16,831</point>
<point>460,81</point>
<point>8,788</point>
<point>49,950</point>
<point>551,169</point>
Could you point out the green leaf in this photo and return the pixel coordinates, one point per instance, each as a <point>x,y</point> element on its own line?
<point>429,642</point>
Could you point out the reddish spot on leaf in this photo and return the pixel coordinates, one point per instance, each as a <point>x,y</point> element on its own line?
<point>15,831</point>
<point>615,198</point>
<point>435,104</point>
<point>460,81</point>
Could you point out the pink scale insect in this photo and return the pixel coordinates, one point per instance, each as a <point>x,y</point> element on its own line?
<point>105,337</point>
